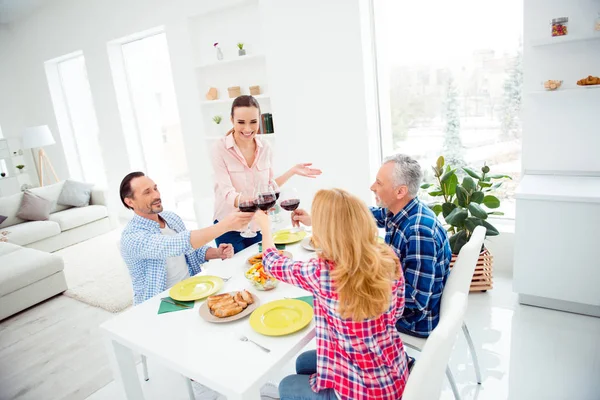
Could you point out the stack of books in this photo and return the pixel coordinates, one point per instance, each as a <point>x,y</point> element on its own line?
<point>266,123</point>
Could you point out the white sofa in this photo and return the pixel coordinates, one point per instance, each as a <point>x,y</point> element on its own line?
<point>66,225</point>
<point>27,277</point>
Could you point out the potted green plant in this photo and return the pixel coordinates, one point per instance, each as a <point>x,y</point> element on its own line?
<point>217,119</point>
<point>20,167</point>
<point>241,50</point>
<point>464,206</point>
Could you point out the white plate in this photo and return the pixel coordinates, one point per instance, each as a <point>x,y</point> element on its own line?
<point>307,244</point>
<point>206,314</point>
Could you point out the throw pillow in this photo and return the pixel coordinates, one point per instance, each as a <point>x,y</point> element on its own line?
<point>76,194</point>
<point>34,207</point>
<point>2,218</point>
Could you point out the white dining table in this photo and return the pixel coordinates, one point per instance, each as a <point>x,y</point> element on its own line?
<point>209,353</point>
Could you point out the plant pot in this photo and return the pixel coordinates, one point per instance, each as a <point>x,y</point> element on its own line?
<point>234,92</point>
<point>2,174</point>
<point>242,52</point>
<point>483,275</point>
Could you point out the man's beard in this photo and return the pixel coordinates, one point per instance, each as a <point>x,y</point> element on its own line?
<point>155,208</point>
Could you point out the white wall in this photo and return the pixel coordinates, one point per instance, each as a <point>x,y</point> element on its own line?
<point>316,78</point>
<point>64,26</point>
<point>315,63</point>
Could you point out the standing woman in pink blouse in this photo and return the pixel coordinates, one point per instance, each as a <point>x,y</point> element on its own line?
<point>241,161</point>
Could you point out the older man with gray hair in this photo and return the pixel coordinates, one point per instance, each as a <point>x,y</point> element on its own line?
<point>417,236</point>
<point>419,239</point>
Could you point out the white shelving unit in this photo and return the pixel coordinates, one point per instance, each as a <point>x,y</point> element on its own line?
<point>567,90</point>
<point>248,58</point>
<point>564,39</point>
<point>228,26</point>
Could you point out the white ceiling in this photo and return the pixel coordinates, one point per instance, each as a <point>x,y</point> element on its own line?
<point>13,10</point>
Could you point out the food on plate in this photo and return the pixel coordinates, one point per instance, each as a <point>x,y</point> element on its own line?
<point>227,304</point>
<point>258,257</point>
<point>552,84</point>
<point>259,278</point>
<point>589,81</point>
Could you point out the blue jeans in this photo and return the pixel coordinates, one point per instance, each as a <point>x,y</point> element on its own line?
<point>238,242</point>
<point>296,387</point>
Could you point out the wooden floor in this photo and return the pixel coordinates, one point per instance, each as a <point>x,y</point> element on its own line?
<point>53,350</point>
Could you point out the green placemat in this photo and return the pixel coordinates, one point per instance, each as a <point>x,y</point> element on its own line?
<point>306,299</point>
<point>279,247</point>
<point>168,307</point>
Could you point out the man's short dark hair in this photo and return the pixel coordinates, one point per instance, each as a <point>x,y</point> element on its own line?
<point>125,190</point>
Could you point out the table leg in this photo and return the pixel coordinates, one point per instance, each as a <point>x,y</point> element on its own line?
<point>124,370</point>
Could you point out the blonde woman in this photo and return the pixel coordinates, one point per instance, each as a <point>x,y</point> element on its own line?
<point>358,291</point>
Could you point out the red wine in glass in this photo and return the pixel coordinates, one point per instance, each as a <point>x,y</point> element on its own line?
<point>248,206</point>
<point>290,205</point>
<point>266,201</point>
<point>277,193</point>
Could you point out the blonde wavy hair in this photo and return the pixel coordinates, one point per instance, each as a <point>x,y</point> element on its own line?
<point>364,269</point>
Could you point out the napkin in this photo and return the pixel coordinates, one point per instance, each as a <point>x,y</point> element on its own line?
<point>279,246</point>
<point>306,299</point>
<point>168,307</point>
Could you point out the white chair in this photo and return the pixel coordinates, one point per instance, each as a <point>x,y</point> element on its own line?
<point>427,375</point>
<point>459,281</point>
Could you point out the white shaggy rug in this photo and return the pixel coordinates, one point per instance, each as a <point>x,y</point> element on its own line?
<point>96,274</point>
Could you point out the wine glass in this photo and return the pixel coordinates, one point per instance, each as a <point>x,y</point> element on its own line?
<point>265,196</point>
<point>275,216</point>
<point>290,201</point>
<point>247,203</point>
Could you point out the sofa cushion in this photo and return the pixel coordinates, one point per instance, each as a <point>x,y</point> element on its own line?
<point>23,267</point>
<point>76,194</point>
<point>6,248</point>
<point>74,217</point>
<point>32,231</point>
<point>34,207</point>
<point>2,218</point>
<point>9,206</point>
<point>52,193</point>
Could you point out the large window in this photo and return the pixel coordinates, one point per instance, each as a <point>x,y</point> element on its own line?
<point>144,84</point>
<point>76,117</point>
<point>450,76</point>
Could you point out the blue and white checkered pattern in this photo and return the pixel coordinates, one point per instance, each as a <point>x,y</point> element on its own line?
<point>422,245</point>
<point>145,251</point>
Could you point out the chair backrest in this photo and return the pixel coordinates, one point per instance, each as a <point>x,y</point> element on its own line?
<point>426,378</point>
<point>461,275</point>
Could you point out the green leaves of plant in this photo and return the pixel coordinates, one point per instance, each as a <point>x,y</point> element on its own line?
<point>491,202</point>
<point>499,176</point>
<point>477,197</point>
<point>426,185</point>
<point>457,217</point>
<point>469,184</point>
<point>447,175</point>
<point>440,162</point>
<point>472,173</point>
<point>436,208</point>
<point>457,241</point>
<point>462,196</point>
<point>447,208</point>
<point>490,230</point>
<point>477,211</point>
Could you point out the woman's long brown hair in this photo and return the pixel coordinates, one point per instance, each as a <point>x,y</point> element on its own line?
<point>364,269</point>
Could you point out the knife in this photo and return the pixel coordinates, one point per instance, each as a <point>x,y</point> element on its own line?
<point>167,300</point>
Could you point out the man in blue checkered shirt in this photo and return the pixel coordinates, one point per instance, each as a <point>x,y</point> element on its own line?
<point>157,248</point>
<point>419,239</point>
<point>417,236</point>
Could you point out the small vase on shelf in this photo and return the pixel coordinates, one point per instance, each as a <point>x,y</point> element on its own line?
<point>219,52</point>
<point>241,50</point>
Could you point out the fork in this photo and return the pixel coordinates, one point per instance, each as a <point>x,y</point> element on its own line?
<point>245,339</point>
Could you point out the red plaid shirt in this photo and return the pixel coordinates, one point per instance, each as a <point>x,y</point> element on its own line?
<point>359,360</point>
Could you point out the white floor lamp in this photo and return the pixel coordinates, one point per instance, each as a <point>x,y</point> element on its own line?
<point>39,137</point>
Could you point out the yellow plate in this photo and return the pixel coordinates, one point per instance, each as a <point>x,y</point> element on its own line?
<point>286,236</point>
<point>196,288</point>
<point>281,317</point>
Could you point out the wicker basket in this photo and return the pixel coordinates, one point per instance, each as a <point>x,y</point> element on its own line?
<point>483,275</point>
<point>255,90</point>
<point>234,92</point>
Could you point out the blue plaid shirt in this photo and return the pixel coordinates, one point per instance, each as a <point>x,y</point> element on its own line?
<point>421,243</point>
<point>145,251</point>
